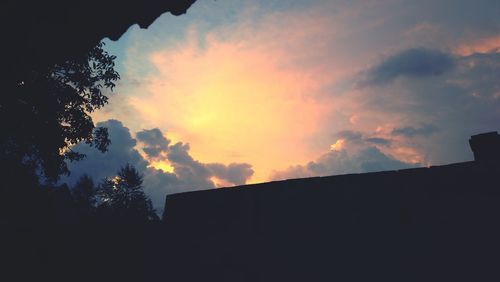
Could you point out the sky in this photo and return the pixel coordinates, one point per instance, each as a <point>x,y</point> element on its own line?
<point>237,92</point>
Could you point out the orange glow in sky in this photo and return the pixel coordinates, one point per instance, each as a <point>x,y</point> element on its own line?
<point>292,91</point>
<point>233,105</point>
<point>489,44</point>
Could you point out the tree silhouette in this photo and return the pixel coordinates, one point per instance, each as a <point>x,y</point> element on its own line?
<point>84,195</point>
<point>122,197</point>
<point>48,110</point>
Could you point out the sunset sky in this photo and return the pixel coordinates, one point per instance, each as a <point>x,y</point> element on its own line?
<point>238,92</point>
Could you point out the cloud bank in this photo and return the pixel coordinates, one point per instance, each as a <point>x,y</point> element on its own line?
<point>187,174</point>
<point>335,162</point>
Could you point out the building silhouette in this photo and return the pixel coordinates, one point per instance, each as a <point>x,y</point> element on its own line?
<point>423,224</point>
<point>486,146</point>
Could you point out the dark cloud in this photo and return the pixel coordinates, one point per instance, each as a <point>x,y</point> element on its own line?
<point>356,137</point>
<point>188,175</point>
<point>372,159</point>
<point>379,141</point>
<point>368,159</point>
<point>179,154</point>
<point>187,169</point>
<point>350,135</point>
<point>441,114</point>
<point>409,131</point>
<point>235,173</point>
<point>120,151</point>
<point>415,62</point>
<point>154,142</point>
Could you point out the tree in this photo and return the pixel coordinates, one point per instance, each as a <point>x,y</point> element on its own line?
<point>84,195</point>
<point>122,197</point>
<point>47,110</point>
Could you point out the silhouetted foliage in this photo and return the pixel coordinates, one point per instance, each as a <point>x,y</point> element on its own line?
<point>84,193</point>
<point>49,110</point>
<point>122,197</point>
<point>40,117</point>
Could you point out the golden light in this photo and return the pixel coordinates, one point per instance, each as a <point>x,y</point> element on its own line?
<point>219,183</point>
<point>485,45</point>
<point>338,145</point>
<point>163,165</point>
<point>233,105</point>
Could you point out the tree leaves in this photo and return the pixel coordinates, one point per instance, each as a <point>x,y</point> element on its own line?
<point>122,197</point>
<point>50,111</point>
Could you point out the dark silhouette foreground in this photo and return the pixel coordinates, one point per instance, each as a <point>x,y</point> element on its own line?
<point>425,224</point>
<point>53,75</point>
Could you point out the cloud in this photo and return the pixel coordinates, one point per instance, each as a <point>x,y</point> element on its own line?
<point>379,141</point>
<point>414,62</point>
<point>490,44</point>
<point>357,137</point>
<point>335,162</point>
<point>154,142</point>
<point>272,85</point>
<point>350,135</point>
<point>188,174</point>
<point>410,131</point>
<point>179,155</point>
<point>479,75</point>
<point>236,173</point>
<point>353,152</point>
<point>187,169</point>
<point>255,76</point>
<point>120,151</point>
<point>436,116</point>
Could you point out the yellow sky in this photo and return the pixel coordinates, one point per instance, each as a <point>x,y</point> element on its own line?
<point>274,87</point>
<point>233,105</point>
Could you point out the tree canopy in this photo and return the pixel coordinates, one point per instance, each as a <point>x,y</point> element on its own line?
<point>122,197</point>
<point>84,194</point>
<point>47,111</point>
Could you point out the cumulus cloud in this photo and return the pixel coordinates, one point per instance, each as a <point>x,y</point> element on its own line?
<point>189,170</point>
<point>356,152</point>
<point>188,174</point>
<point>335,162</point>
<point>236,173</point>
<point>414,62</point>
<point>120,152</point>
<point>154,142</point>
